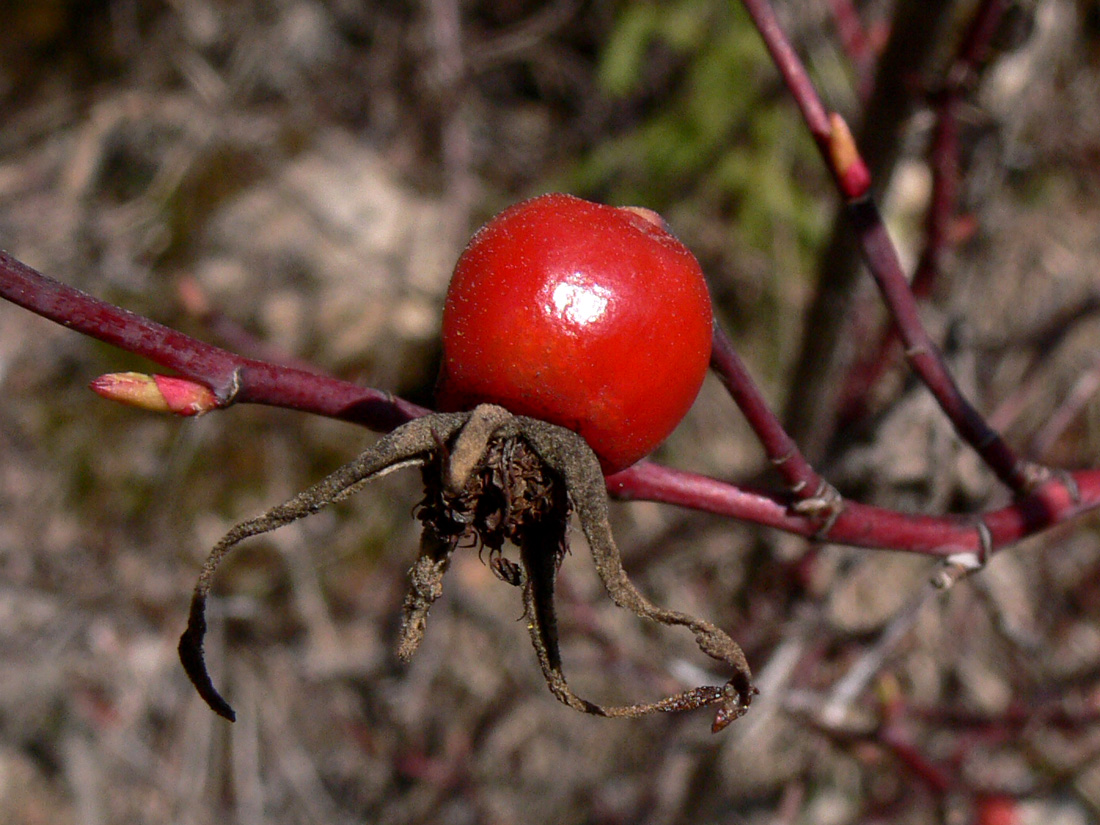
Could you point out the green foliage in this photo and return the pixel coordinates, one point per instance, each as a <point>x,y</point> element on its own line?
<point>723,135</point>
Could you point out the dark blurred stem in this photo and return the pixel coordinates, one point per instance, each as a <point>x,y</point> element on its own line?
<point>456,140</point>
<point>855,43</point>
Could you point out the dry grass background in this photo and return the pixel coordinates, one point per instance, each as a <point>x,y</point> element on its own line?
<point>296,178</point>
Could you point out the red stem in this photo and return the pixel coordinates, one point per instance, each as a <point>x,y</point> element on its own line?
<point>232,378</point>
<point>868,371</point>
<point>862,525</point>
<point>944,163</point>
<point>881,258</point>
<point>799,476</point>
<point>923,355</point>
<point>944,160</point>
<point>938,779</point>
<point>236,379</point>
<point>791,68</point>
<point>975,43</point>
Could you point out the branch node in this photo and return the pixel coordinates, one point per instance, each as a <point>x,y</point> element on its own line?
<point>780,460</point>
<point>227,394</point>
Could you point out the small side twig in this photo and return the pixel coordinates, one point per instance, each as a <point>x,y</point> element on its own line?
<point>816,496</point>
<point>1085,388</point>
<point>856,44</point>
<point>859,675</point>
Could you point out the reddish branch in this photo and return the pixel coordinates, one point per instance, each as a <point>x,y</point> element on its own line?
<point>232,378</point>
<point>866,373</point>
<point>861,525</point>
<point>944,162</point>
<point>890,734</point>
<point>881,257</point>
<point>235,379</point>
<point>811,408</point>
<point>800,477</point>
<point>923,354</point>
<point>855,42</point>
<point>958,80</point>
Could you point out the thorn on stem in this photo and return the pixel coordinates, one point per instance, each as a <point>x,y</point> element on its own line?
<point>826,505</point>
<point>959,565</point>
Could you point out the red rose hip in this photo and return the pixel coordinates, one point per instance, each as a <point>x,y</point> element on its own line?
<point>587,316</point>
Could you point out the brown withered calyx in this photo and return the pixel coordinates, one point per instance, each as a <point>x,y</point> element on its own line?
<point>491,477</point>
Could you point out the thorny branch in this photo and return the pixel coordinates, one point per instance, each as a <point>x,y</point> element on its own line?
<point>881,256</point>
<point>235,379</point>
<point>940,231</point>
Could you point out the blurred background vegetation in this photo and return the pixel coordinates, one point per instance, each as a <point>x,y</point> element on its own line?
<point>293,180</point>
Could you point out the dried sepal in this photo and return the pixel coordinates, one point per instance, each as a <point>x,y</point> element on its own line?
<point>567,454</point>
<point>403,447</point>
<point>425,586</point>
<point>491,477</point>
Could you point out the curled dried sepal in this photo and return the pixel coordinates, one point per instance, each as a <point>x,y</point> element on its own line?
<point>403,447</point>
<point>567,454</point>
<point>491,477</point>
<point>194,663</point>
<point>733,698</point>
<point>156,393</point>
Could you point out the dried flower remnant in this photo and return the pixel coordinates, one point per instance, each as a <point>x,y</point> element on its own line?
<point>490,478</point>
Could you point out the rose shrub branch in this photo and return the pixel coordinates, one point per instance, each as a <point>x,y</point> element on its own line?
<point>236,379</point>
